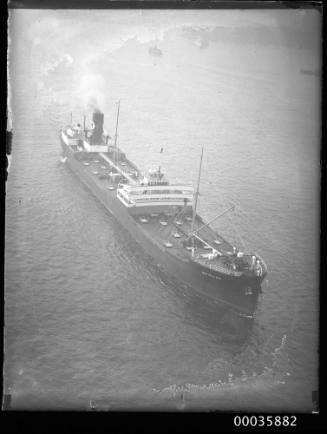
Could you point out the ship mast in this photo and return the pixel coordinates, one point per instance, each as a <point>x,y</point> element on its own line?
<point>196,195</point>
<point>116,133</point>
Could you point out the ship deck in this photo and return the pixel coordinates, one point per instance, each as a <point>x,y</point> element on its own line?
<point>102,165</point>
<point>164,234</point>
<point>174,233</point>
<point>126,168</point>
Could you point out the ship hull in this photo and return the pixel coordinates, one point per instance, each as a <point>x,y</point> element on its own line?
<point>237,293</point>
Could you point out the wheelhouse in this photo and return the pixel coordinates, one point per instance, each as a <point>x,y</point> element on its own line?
<point>153,191</point>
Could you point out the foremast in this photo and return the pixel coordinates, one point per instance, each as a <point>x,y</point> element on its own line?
<point>195,203</point>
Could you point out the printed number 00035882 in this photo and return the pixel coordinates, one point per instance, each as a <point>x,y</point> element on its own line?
<point>265,421</point>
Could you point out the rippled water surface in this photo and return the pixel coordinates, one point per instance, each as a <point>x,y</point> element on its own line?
<point>86,316</point>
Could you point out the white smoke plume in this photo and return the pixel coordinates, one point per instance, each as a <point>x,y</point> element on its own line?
<point>90,91</point>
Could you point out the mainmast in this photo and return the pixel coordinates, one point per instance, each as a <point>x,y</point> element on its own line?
<point>195,202</point>
<point>116,133</point>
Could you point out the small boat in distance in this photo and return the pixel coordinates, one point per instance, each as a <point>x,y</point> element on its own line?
<point>162,218</point>
<point>201,43</point>
<point>155,51</point>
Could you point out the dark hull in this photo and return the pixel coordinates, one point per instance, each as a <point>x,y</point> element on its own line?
<point>230,291</point>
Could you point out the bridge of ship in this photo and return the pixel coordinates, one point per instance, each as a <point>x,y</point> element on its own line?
<point>153,195</point>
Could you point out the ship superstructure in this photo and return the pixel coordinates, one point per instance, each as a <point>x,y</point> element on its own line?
<point>162,217</point>
<point>154,194</point>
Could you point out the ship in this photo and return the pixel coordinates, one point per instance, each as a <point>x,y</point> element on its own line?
<point>162,218</point>
<point>155,51</point>
<point>201,43</point>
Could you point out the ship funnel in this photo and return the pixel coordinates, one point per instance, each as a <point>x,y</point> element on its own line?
<point>98,127</point>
